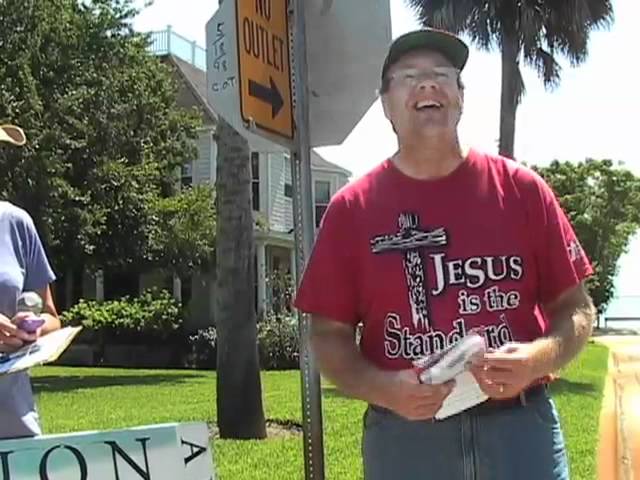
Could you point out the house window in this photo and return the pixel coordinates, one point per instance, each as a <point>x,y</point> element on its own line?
<point>186,174</point>
<point>121,283</point>
<point>288,187</point>
<point>255,283</point>
<point>186,289</point>
<point>255,181</point>
<point>322,197</point>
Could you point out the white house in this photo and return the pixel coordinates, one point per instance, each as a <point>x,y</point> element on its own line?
<point>271,188</point>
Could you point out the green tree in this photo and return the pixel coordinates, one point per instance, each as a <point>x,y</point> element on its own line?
<point>185,233</point>
<point>537,31</point>
<point>105,134</point>
<point>602,201</point>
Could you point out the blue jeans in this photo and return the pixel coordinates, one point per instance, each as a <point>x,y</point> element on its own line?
<point>521,442</point>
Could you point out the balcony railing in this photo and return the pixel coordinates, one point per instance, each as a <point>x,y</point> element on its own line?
<point>167,42</point>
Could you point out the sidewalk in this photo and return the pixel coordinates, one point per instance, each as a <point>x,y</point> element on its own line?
<point>619,448</point>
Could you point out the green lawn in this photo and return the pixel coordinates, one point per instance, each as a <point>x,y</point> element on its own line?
<point>578,395</point>
<point>116,398</point>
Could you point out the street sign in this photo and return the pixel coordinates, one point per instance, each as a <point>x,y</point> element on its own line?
<point>347,41</point>
<point>265,72</point>
<point>223,80</point>
<point>248,70</point>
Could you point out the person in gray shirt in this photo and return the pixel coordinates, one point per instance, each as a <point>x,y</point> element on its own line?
<point>23,267</point>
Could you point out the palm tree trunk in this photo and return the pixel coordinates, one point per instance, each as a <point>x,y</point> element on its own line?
<point>509,94</point>
<point>239,390</point>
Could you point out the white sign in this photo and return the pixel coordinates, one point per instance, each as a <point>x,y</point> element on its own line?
<point>347,41</point>
<point>158,452</point>
<point>223,79</point>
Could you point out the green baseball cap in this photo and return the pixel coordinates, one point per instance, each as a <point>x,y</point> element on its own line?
<point>446,43</point>
<point>12,134</point>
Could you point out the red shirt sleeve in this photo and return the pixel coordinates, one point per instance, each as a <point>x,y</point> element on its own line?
<point>329,284</point>
<point>561,261</point>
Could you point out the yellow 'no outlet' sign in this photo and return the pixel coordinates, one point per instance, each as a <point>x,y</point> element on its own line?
<point>265,72</point>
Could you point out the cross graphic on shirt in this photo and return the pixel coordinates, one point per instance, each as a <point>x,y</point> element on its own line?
<point>409,239</point>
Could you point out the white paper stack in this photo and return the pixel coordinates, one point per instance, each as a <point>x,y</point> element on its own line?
<point>464,395</point>
<point>452,364</point>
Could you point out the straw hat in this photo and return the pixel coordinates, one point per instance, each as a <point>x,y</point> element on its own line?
<point>12,134</point>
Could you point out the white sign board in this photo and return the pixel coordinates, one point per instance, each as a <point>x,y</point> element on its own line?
<point>158,452</point>
<point>347,41</point>
<point>223,79</point>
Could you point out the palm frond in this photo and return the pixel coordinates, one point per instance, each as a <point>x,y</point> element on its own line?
<point>482,28</point>
<point>545,28</point>
<point>446,15</point>
<point>547,67</point>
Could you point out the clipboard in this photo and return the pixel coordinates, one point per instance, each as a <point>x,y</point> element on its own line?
<point>46,349</point>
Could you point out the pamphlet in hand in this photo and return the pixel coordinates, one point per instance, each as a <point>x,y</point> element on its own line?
<point>44,350</point>
<point>450,364</point>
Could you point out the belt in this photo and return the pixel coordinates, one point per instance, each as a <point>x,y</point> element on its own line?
<point>493,404</point>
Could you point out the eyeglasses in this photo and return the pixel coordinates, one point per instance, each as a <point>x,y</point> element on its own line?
<point>412,77</point>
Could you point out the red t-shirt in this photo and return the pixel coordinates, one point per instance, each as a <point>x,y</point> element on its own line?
<point>421,262</point>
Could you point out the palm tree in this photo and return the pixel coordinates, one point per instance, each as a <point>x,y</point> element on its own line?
<point>535,30</point>
<point>238,384</point>
<point>239,389</point>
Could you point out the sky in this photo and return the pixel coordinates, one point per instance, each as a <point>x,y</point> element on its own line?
<point>592,114</point>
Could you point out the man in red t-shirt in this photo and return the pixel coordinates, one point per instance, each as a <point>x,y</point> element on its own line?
<point>430,244</point>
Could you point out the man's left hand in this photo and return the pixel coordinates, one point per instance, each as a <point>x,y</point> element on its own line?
<point>506,372</point>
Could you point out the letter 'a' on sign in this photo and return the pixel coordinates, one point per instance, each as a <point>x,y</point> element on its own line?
<point>265,70</point>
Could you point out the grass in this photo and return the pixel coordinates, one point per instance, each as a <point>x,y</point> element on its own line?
<point>118,398</point>
<point>578,395</point>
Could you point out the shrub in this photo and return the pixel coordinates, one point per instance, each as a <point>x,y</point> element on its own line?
<point>281,288</point>
<point>154,315</point>
<point>202,349</point>
<point>278,343</point>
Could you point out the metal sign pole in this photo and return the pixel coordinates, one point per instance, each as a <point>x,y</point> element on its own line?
<point>304,228</point>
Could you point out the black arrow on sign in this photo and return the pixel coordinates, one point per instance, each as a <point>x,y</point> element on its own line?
<point>270,95</point>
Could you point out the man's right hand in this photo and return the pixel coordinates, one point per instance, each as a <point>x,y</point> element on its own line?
<point>341,362</point>
<point>11,337</point>
<point>406,396</point>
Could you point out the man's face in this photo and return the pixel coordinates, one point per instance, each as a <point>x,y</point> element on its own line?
<point>423,95</point>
